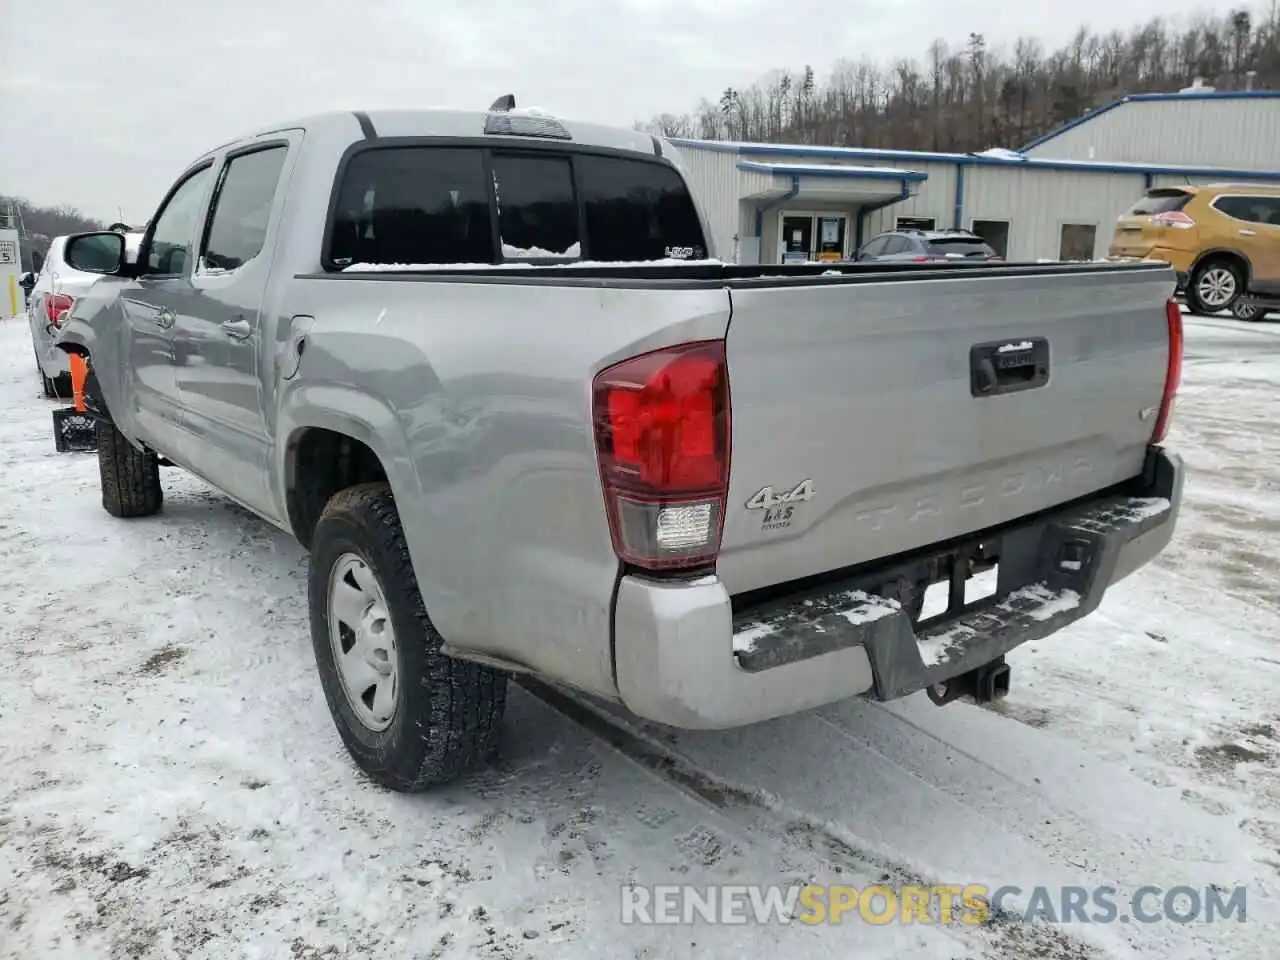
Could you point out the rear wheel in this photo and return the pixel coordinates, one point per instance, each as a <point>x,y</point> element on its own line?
<point>130,477</point>
<point>410,716</point>
<point>1215,285</point>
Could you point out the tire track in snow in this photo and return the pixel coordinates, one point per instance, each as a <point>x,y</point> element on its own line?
<point>759,811</point>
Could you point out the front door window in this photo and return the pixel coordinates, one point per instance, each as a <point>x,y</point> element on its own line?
<point>809,236</point>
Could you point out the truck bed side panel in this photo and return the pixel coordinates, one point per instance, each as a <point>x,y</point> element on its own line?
<point>490,450</point>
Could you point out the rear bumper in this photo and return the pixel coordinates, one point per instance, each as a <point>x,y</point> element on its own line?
<point>675,642</point>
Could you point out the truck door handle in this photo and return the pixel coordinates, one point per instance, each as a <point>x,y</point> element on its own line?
<point>1248,233</point>
<point>166,318</point>
<point>237,329</point>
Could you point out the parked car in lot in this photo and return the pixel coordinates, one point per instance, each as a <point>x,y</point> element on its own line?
<point>926,246</point>
<point>485,368</point>
<point>51,296</point>
<point>1222,239</point>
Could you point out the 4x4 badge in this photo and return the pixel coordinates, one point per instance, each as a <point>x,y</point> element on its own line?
<point>779,508</point>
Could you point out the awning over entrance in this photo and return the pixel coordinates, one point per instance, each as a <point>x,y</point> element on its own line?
<point>825,181</point>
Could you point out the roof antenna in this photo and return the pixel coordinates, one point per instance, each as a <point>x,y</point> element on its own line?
<point>505,103</point>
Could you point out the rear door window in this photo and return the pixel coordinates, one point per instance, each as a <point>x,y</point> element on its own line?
<point>1160,201</point>
<point>637,210</point>
<point>897,245</point>
<point>537,212</point>
<point>1251,208</point>
<point>413,205</point>
<point>242,208</point>
<point>875,247</point>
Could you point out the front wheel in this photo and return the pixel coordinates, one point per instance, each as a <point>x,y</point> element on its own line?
<point>410,716</point>
<point>1214,286</point>
<point>130,477</point>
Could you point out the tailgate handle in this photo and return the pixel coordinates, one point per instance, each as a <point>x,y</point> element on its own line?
<point>1007,366</point>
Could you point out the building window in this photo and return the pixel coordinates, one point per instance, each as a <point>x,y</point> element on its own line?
<point>915,223</point>
<point>1076,242</point>
<point>995,233</point>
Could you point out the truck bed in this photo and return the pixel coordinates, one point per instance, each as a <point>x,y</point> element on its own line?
<point>857,380</point>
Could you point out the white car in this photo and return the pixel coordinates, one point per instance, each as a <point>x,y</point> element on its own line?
<point>56,290</point>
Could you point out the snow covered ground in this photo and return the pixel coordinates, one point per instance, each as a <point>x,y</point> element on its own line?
<point>171,784</point>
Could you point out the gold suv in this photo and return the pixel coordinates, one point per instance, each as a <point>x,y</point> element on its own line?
<point>1222,239</point>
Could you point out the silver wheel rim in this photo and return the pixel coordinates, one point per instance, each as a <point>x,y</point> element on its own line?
<point>363,641</point>
<point>1245,311</point>
<point>1216,287</point>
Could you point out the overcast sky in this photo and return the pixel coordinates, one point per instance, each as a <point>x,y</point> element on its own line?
<point>103,102</point>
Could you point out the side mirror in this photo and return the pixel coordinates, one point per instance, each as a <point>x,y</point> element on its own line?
<point>96,252</point>
<point>27,281</point>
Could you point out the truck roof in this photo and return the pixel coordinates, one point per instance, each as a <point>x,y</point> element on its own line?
<point>439,122</point>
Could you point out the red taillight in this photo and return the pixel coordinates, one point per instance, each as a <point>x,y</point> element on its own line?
<point>662,439</point>
<point>55,303</point>
<point>1173,374</point>
<point>1173,218</point>
<point>922,259</point>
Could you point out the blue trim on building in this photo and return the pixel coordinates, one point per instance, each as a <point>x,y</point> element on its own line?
<point>1151,98</point>
<point>853,154</point>
<point>829,170</point>
<point>958,219</point>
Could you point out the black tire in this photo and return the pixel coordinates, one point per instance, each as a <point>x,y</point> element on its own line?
<point>448,713</point>
<point>130,477</point>
<point>1194,300</point>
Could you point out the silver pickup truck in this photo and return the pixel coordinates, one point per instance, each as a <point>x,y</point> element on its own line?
<point>485,367</point>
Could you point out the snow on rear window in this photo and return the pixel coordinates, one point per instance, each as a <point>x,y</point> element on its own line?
<point>537,212</point>
<point>418,207</point>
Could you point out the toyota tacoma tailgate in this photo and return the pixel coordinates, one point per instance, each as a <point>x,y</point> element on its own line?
<point>873,418</point>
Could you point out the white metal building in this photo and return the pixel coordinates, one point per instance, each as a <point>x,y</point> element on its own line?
<point>1239,129</point>
<point>769,202</point>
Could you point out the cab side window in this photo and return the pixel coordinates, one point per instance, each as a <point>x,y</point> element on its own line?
<point>175,228</point>
<point>242,203</point>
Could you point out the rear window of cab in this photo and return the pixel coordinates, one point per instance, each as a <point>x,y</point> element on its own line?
<point>440,205</point>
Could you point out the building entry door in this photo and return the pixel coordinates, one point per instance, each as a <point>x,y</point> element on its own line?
<point>812,236</point>
<point>797,239</point>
